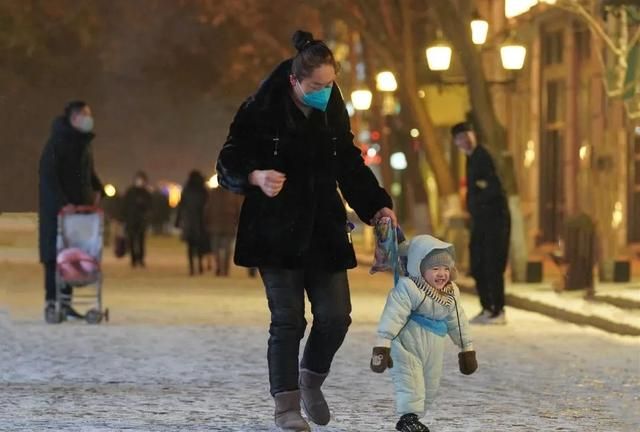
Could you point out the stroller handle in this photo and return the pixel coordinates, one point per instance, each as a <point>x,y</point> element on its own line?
<point>71,209</point>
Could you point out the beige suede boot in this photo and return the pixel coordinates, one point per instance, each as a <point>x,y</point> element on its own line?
<point>287,414</point>
<point>313,400</point>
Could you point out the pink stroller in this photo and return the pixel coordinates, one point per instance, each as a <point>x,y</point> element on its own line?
<point>79,256</point>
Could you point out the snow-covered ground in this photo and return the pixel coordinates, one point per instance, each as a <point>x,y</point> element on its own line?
<point>188,354</point>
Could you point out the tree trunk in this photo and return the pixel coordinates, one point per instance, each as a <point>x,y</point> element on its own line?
<point>428,135</point>
<point>455,24</point>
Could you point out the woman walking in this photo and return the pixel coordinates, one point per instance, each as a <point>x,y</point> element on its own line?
<point>288,151</point>
<point>191,219</point>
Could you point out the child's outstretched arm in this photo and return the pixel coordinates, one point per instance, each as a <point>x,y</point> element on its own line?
<point>401,301</point>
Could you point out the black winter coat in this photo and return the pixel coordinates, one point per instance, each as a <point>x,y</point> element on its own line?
<point>486,199</point>
<point>67,176</point>
<point>190,216</point>
<point>137,206</point>
<point>306,223</point>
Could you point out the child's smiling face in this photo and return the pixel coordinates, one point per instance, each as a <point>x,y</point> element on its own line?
<point>437,276</point>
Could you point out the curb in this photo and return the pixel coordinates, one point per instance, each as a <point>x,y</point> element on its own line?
<point>562,314</point>
<point>622,303</point>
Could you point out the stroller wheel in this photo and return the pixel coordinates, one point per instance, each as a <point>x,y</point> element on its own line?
<point>93,316</point>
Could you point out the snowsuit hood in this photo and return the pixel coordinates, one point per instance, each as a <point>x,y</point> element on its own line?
<point>419,247</point>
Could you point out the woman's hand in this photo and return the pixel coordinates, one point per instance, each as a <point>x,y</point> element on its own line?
<point>385,212</point>
<point>270,182</point>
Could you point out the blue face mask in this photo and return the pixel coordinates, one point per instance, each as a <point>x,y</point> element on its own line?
<point>318,99</point>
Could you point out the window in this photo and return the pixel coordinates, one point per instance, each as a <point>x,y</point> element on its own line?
<point>552,47</point>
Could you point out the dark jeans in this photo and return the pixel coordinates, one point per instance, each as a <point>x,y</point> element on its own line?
<point>50,282</point>
<point>330,300</point>
<point>489,251</point>
<point>136,240</point>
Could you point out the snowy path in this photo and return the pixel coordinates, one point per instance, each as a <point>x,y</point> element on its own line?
<point>189,355</point>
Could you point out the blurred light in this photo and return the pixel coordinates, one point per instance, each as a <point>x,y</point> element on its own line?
<point>390,105</point>
<point>361,99</point>
<point>396,189</point>
<point>386,82</point>
<point>616,219</point>
<point>637,130</point>
<point>584,151</point>
<point>213,182</point>
<point>350,110</point>
<point>512,56</point>
<point>421,94</point>
<point>110,190</point>
<point>415,133</point>
<point>513,8</point>
<point>398,161</point>
<point>372,152</point>
<point>479,31</point>
<point>175,192</point>
<point>529,154</point>
<point>364,136</point>
<point>439,56</point>
<point>375,135</point>
<point>376,146</point>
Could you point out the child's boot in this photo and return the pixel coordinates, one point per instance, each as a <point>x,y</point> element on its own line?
<point>410,423</point>
<point>313,400</point>
<point>287,415</point>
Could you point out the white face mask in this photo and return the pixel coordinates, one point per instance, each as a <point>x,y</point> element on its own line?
<point>84,123</point>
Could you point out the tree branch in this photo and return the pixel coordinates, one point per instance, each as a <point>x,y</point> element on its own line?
<point>388,21</point>
<point>579,10</point>
<point>377,44</point>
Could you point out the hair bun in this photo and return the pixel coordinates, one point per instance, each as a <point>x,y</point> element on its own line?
<point>301,39</point>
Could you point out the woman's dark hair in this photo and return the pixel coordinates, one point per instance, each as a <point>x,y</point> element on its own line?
<point>141,174</point>
<point>73,107</point>
<point>196,180</point>
<point>312,53</point>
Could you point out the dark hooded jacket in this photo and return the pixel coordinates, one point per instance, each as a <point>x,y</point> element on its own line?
<point>306,223</point>
<point>67,176</point>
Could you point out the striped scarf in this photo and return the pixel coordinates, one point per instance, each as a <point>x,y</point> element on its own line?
<point>443,296</point>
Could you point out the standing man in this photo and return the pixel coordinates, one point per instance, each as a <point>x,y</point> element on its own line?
<point>67,177</point>
<point>137,206</point>
<point>491,225</point>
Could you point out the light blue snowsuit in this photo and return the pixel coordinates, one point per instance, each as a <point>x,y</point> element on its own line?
<point>418,350</point>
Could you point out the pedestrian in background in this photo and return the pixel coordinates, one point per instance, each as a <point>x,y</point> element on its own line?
<point>160,212</point>
<point>137,207</point>
<point>221,219</point>
<point>490,225</point>
<point>190,219</point>
<point>67,178</point>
